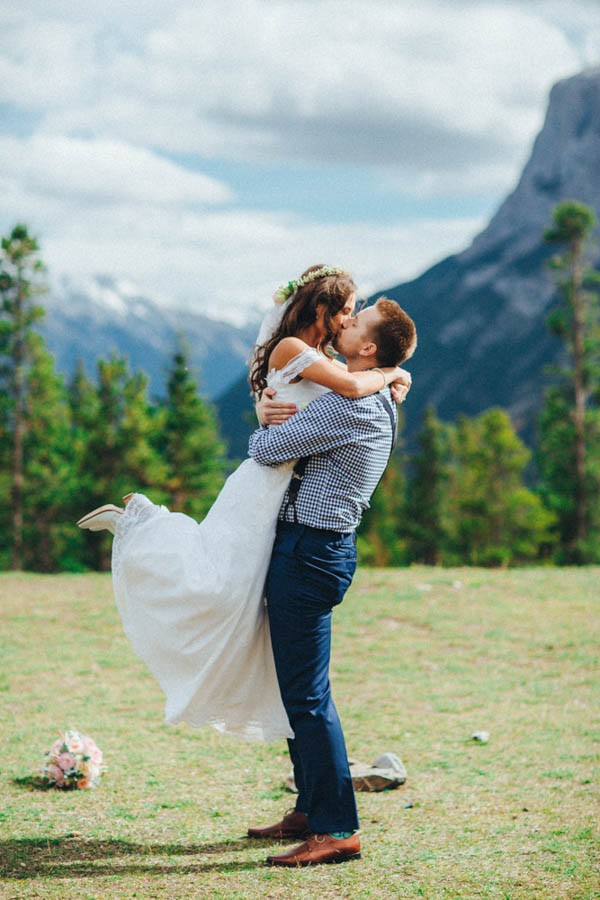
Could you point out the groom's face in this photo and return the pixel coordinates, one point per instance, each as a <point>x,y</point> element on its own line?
<point>356,333</point>
<point>337,321</point>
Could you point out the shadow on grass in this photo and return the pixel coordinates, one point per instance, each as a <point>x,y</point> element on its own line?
<point>65,857</point>
<point>34,783</point>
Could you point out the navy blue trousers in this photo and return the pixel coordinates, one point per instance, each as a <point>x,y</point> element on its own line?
<point>310,571</point>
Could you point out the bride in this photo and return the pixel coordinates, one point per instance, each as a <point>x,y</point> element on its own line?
<point>190,594</point>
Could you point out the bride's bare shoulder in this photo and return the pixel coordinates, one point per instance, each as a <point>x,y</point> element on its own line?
<point>284,351</point>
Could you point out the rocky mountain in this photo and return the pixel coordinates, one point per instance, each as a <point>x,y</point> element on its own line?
<point>92,320</point>
<point>481,314</point>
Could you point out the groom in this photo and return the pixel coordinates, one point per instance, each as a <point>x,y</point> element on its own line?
<point>346,444</point>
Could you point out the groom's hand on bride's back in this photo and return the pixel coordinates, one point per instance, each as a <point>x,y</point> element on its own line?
<point>270,411</point>
<point>398,392</point>
<point>273,412</point>
<point>400,388</point>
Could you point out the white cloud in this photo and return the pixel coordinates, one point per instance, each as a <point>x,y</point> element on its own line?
<point>256,80</point>
<point>229,263</point>
<point>441,99</point>
<point>102,171</point>
<point>487,180</point>
<point>47,62</point>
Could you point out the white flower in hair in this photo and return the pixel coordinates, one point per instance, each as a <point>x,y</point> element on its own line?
<point>323,272</point>
<point>285,291</point>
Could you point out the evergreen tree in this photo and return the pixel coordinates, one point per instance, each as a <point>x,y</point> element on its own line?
<point>427,504</point>
<point>50,469</point>
<point>84,407</point>
<point>5,483</point>
<point>119,454</point>
<point>557,465</point>
<point>189,444</point>
<point>570,472</point>
<point>380,539</point>
<point>21,274</point>
<point>495,519</point>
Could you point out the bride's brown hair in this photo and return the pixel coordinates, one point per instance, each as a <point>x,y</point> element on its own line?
<point>330,291</point>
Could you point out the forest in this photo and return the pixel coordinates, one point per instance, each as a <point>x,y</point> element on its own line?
<point>468,492</point>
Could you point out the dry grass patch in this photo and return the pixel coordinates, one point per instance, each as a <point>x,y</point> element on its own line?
<point>422,659</point>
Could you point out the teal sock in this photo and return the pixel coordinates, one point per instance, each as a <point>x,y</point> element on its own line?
<point>340,835</point>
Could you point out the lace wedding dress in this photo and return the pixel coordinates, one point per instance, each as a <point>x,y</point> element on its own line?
<point>190,594</point>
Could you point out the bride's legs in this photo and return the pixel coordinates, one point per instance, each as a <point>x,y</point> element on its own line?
<point>106,517</point>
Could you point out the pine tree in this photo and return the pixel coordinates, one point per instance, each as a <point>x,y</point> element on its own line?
<point>380,539</point>
<point>119,454</point>
<point>5,483</point>
<point>21,281</point>
<point>50,469</point>
<point>84,407</point>
<point>426,514</point>
<point>189,443</point>
<point>496,519</point>
<point>557,466</point>
<point>570,473</point>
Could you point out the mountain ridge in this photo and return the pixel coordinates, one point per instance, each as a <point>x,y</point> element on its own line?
<point>480,313</point>
<point>493,333</point>
<point>104,315</point>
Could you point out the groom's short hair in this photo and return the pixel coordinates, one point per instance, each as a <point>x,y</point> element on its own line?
<point>395,334</point>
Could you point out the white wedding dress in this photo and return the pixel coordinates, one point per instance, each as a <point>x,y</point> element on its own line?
<point>191,594</point>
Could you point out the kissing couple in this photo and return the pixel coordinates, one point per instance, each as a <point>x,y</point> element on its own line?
<point>233,614</point>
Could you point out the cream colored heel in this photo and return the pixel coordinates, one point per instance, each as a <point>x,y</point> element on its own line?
<point>102,518</point>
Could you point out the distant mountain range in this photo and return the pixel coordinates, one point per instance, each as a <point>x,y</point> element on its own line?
<point>480,314</point>
<point>92,320</point>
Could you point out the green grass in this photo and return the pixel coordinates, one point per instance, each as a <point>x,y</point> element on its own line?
<point>422,659</point>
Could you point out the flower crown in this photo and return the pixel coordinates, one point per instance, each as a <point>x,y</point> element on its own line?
<point>285,291</point>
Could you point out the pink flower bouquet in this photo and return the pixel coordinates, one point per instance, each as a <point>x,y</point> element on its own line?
<point>73,761</point>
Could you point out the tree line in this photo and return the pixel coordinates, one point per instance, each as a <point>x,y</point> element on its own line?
<point>472,493</point>
<point>463,496</point>
<point>66,448</point>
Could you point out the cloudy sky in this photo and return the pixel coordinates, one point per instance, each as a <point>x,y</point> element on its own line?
<point>208,150</point>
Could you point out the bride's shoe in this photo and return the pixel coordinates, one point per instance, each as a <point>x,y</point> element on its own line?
<point>105,517</point>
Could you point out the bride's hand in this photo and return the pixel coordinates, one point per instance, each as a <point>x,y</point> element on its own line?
<point>273,412</point>
<point>401,385</point>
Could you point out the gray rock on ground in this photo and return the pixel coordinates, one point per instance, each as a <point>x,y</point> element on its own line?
<point>387,772</point>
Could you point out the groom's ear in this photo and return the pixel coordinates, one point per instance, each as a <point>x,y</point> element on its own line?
<point>369,349</point>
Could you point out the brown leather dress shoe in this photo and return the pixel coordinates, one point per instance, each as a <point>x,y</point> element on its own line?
<point>318,849</point>
<point>293,825</point>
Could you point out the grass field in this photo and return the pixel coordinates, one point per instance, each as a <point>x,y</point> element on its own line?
<point>422,659</point>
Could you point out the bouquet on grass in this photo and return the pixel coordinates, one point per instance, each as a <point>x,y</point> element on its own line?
<point>73,762</point>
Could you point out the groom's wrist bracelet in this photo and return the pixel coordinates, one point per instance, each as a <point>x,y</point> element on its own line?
<point>382,373</point>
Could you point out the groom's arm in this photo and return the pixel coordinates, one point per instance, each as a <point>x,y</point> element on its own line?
<point>270,411</point>
<point>326,423</point>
